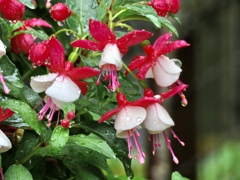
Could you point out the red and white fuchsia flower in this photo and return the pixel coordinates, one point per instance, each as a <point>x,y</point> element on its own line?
<point>5,143</point>
<point>60,12</point>
<point>24,42</point>
<point>12,9</point>
<point>163,7</point>
<point>112,48</point>
<point>155,65</point>
<point>129,116</point>
<point>63,84</point>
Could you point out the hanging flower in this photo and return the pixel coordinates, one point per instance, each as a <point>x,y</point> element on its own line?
<point>155,65</point>
<point>24,42</point>
<point>60,12</point>
<point>157,121</point>
<point>12,9</point>
<point>63,84</point>
<point>112,48</point>
<point>163,7</point>
<point>129,116</point>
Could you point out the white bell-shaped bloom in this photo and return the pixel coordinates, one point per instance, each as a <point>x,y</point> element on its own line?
<point>130,117</point>
<point>58,87</point>
<point>5,143</point>
<point>165,72</point>
<point>111,56</point>
<point>157,119</point>
<point>2,49</point>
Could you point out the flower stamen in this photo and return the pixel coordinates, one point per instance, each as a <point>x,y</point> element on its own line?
<point>5,88</point>
<point>168,141</point>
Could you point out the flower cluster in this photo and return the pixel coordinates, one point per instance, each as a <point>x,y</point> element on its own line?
<point>66,76</point>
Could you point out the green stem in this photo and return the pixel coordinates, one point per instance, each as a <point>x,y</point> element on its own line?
<point>125,25</point>
<point>67,30</point>
<point>143,84</point>
<point>22,161</point>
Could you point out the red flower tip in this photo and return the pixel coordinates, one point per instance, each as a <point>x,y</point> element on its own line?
<point>121,98</point>
<point>148,93</point>
<point>36,22</point>
<point>12,9</point>
<point>5,114</point>
<point>39,53</point>
<point>60,12</point>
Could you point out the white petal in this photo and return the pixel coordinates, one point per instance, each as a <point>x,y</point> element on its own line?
<point>5,143</point>
<point>157,119</point>
<point>166,72</point>
<point>42,82</point>
<point>123,134</point>
<point>111,55</point>
<point>149,73</point>
<point>64,89</point>
<point>2,49</point>
<point>129,118</point>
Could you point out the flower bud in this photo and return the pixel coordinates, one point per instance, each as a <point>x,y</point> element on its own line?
<point>39,53</point>
<point>22,42</point>
<point>12,9</point>
<point>70,115</point>
<point>65,123</point>
<point>60,12</point>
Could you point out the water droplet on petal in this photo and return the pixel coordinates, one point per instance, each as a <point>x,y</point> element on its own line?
<point>128,118</point>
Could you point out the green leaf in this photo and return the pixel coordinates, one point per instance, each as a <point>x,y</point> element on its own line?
<point>18,172</point>
<point>107,133</point>
<point>169,25</point>
<point>10,72</point>
<point>102,9</point>
<point>144,11</point>
<point>68,107</point>
<point>83,10</point>
<point>94,143</point>
<point>5,30</point>
<point>29,3</point>
<point>37,33</point>
<point>27,114</point>
<point>177,176</point>
<point>59,136</point>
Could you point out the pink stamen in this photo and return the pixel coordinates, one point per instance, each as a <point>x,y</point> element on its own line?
<point>141,155</point>
<point>111,75</point>
<point>5,88</point>
<point>44,109</point>
<point>155,141</point>
<point>175,159</point>
<point>176,137</point>
<point>1,172</point>
<point>184,101</point>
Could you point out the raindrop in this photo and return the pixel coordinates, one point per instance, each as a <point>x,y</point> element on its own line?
<point>139,119</point>
<point>60,23</point>
<point>177,62</point>
<point>123,124</point>
<point>68,33</point>
<point>154,122</point>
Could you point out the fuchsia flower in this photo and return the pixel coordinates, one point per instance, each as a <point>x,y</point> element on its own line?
<point>113,48</point>
<point>162,7</point>
<point>60,12</point>
<point>129,116</point>
<point>24,42</point>
<point>12,9</point>
<point>158,120</point>
<point>155,65</point>
<point>63,84</point>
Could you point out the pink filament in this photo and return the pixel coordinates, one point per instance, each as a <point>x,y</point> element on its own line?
<point>180,93</point>
<point>141,155</point>
<point>111,75</point>
<point>155,142</point>
<point>175,159</point>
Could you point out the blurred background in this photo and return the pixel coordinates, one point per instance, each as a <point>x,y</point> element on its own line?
<point>210,124</point>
